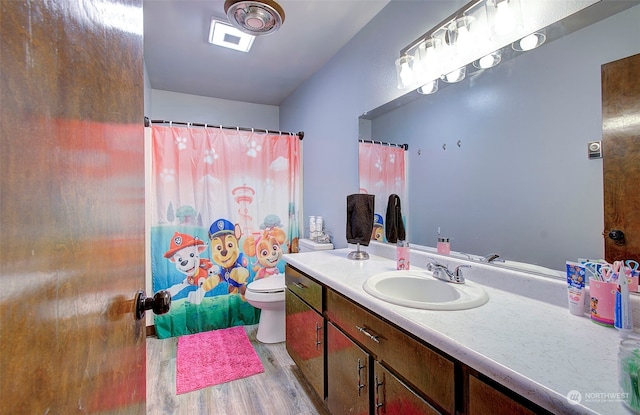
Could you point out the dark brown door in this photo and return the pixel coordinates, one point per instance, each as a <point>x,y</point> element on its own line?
<point>71,207</point>
<point>621,158</point>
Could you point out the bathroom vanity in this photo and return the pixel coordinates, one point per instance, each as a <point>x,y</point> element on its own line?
<point>515,354</point>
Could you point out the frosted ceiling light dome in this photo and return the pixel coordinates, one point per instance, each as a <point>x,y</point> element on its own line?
<point>259,17</point>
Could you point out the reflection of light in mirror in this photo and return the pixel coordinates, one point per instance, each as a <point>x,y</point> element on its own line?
<point>455,76</point>
<point>488,61</point>
<point>429,88</point>
<point>621,123</point>
<point>529,42</point>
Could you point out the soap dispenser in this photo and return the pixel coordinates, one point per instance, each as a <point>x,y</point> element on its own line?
<point>403,255</point>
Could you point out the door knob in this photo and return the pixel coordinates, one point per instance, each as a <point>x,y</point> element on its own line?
<point>159,303</point>
<point>616,235</point>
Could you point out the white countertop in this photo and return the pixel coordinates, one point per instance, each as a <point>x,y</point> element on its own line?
<point>530,345</point>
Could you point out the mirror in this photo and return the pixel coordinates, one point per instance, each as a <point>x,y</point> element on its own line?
<point>498,162</point>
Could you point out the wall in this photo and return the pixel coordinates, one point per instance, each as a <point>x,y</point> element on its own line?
<point>173,106</point>
<point>362,77</point>
<point>327,106</point>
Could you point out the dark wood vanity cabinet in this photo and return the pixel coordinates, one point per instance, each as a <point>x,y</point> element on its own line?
<point>424,371</point>
<point>369,366</point>
<point>305,327</point>
<point>359,384</point>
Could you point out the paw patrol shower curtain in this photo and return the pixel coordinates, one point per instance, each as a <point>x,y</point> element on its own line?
<point>224,211</point>
<point>382,172</point>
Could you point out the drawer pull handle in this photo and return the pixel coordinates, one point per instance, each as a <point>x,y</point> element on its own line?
<point>364,331</point>
<point>299,285</point>
<point>360,384</point>
<point>379,403</point>
<point>318,341</point>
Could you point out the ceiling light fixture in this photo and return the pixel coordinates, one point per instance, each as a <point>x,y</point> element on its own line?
<point>257,17</point>
<point>225,35</point>
<point>481,34</point>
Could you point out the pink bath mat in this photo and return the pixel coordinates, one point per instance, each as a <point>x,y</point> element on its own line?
<point>213,357</point>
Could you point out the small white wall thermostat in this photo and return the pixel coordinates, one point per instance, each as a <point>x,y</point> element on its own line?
<point>594,150</point>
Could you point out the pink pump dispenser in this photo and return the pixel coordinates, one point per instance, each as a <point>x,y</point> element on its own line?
<point>402,255</point>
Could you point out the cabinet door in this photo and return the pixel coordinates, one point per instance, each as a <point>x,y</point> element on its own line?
<point>486,400</point>
<point>304,337</point>
<point>347,375</point>
<point>392,396</point>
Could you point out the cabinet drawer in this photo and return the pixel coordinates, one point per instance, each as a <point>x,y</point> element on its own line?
<point>306,288</point>
<point>427,370</point>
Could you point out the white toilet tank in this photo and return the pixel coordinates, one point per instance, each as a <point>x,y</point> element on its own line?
<point>307,245</point>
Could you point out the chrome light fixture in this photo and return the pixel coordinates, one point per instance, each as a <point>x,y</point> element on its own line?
<point>478,35</point>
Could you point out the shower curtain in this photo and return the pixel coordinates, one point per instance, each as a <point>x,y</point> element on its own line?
<point>224,211</point>
<point>382,172</point>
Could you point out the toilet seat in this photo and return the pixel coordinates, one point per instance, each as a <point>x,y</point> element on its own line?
<point>273,284</point>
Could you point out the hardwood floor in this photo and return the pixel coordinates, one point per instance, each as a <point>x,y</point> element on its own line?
<point>280,390</point>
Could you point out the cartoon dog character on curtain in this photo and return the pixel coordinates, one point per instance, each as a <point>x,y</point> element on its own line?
<point>184,251</point>
<point>267,248</point>
<point>225,252</point>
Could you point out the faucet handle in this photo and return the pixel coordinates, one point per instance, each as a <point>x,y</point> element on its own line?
<point>458,270</point>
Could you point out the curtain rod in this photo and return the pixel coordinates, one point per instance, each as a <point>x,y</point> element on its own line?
<point>147,122</point>
<point>404,146</point>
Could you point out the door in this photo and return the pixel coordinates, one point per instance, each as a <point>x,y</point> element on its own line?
<point>621,152</point>
<point>305,340</point>
<point>347,375</point>
<point>392,396</point>
<point>71,207</point>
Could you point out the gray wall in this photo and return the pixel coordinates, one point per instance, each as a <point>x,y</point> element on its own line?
<point>173,106</point>
<point>543,114</point>
<point>327,106</point>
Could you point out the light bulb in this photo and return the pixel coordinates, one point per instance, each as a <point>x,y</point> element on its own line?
<point>404,71</point>
<point>455,76</point>
<point>429,87</point>
<point>406,74</point>
<point>488,61</point>
<point>529,42</point>
<point>505,18</point>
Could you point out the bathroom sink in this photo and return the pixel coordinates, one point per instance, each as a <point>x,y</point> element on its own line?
<point>419,289</point>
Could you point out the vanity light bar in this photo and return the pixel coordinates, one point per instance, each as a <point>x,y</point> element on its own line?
<point>482,37</point>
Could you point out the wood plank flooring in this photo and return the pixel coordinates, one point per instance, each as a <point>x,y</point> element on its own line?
<point>280,390</point>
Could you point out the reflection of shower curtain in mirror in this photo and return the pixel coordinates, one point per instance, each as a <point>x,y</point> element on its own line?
<point>382,172</point>
<point>224,211</point>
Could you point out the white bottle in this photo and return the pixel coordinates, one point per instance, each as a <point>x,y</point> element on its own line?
<point>312,227</point>
<point>319,227</point>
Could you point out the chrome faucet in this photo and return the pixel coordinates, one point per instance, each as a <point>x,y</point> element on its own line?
<point>441,272</point>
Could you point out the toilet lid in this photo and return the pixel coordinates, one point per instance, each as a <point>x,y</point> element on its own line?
<point>269,284</point>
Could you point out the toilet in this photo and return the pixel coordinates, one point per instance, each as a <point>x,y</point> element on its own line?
<point>267,294</point>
